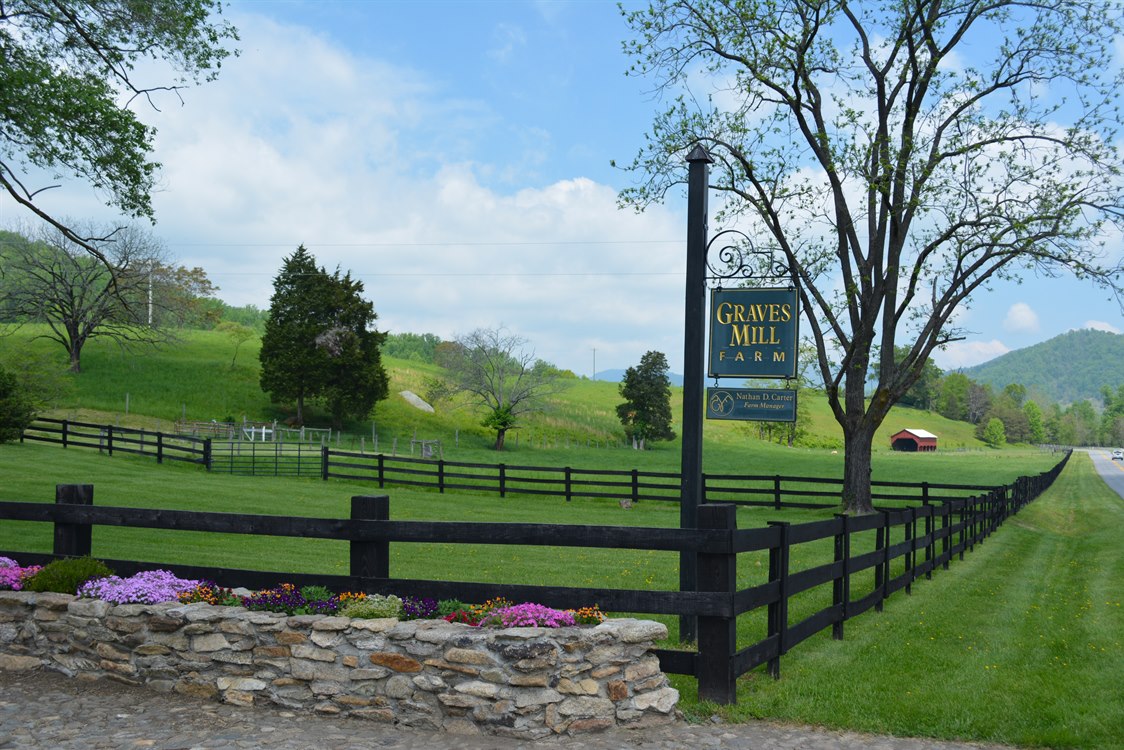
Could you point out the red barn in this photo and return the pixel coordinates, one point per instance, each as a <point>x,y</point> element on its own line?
<point>913,440</point>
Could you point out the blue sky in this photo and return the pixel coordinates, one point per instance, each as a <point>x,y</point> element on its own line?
<point>455,156</point>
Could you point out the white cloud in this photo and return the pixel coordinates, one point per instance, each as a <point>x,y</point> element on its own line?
<point>1021,318</point>
<point>1100,325</point>
<point>968,353</point>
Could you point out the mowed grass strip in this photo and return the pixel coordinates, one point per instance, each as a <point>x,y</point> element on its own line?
<point>1021,643</point>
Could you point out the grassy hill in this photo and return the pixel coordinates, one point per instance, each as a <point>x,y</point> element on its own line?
<point>197,379</point>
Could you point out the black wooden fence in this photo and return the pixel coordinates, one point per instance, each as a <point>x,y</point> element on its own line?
<point>908,543</point>
<point>110,439</point>
<point>630,486</point>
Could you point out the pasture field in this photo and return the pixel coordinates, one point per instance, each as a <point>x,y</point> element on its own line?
<point>196,379</point>
<point>1030,621</point>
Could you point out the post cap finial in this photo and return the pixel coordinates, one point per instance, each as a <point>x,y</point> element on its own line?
<point>699,153</point>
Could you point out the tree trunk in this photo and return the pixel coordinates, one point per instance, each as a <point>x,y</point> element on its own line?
<point>857,441</point>
<point>75,360</point>
<point>500,434</point>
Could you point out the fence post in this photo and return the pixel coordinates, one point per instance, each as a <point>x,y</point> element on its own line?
<point>441,475</point>
<point>65,432</point>
<point>778,610</point>
<point>569,488</point>
<point>109,438</point>
<point>160,447</point>
<point>73,539</point>
<point>929,536</point>
<point>382,472</point>
<point>503,480</point>
<point>841,585</point>
<point>635,486</point>
<point>945,518</point>
<point>324,461</point>
<point>370,559</point>
<point>911,553</point>
<point>924,493</point>
<point>207,455</point>
<point>777,492</point>
<point>718,634</point>
<point>882,543</point>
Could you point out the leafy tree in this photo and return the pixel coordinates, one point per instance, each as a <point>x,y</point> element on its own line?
<point>238,335</point>
<point>1036,423</point>
<point>417,347</point>
<point>69,73</point>
<point>136,297</point>
<point>925,391</point>
<point>1016,392</point>
<point>994,434</point>
<point>319,343</point>
<point>503,377</point>
<point>646,411</point>
<point>897,157</point>
<point>953,399</point>
<point>16,410</point>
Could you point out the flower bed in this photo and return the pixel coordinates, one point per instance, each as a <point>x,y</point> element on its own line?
<point>507,679</point>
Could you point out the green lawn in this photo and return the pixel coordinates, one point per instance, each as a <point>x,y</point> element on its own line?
<point>1030,622</point>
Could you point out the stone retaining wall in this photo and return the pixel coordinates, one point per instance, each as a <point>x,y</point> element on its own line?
<point>523,682</point>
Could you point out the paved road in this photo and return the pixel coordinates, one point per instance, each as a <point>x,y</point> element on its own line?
<point>1112,472</point>
<point>41,710</point>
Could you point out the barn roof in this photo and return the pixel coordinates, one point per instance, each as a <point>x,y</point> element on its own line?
<point>918,433</point>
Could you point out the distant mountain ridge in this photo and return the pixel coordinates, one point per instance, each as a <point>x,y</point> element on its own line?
<point>1067,368</point>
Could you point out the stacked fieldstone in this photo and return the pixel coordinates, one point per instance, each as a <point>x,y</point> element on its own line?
<point>524,682</point>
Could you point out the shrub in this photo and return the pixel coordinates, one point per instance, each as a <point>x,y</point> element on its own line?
<point>316,593</point>
<point>373,607</point>
<point>446,607</point>
<point>65,576</point>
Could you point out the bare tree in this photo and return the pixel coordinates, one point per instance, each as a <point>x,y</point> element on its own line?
<point>136,297</point>
<point>500,375</point>
<point>899,156</point>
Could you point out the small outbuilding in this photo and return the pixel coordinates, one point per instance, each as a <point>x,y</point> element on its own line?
<point>914,440</point>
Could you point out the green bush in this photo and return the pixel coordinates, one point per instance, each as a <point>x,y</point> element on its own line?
<point>446,607</point>
<point>316,593</point>
<point>65,576</point>
<point>373,607</point>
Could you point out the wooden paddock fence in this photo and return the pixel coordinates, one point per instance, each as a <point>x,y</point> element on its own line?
<point>873,556</point>
<point>626,486</point>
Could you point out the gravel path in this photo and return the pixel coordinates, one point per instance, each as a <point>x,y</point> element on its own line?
<point>46,710</point>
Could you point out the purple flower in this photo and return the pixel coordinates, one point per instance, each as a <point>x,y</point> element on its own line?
<point>528,615</point>
<point>13,576</point>
<point>148,587</point>
<point>418,609</point>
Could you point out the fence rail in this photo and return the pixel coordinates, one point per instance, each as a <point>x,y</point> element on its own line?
<point>110,438</point>
<point>291,459</point>
<point>908,543</point>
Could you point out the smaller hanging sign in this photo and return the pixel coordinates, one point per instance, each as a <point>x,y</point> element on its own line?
<point>751,404</point>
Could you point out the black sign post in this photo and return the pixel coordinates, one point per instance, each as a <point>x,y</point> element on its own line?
<point>694,350</point>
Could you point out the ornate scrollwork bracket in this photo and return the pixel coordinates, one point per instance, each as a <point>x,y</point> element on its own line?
<point>737,258</point>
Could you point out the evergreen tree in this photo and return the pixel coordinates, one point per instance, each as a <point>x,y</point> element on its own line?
<point>16,410</point>
<point>318,341</point>
<point>646,412</point>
